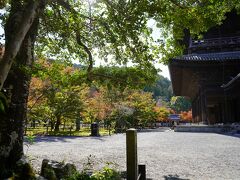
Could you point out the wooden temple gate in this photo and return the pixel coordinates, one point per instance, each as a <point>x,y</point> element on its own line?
<point>209,72</point>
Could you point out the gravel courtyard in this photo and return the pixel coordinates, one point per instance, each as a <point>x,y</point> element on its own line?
<point>167,155</point>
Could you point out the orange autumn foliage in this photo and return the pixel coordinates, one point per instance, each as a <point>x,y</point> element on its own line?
<point>186,116</point>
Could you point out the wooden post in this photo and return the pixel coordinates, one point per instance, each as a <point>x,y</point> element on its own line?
<point>131,143</point>
<point>142,171</point>
<point>203,106</point>
<point>198,110</point>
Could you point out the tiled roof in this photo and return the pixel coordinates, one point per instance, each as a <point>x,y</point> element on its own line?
<point>235,55</point>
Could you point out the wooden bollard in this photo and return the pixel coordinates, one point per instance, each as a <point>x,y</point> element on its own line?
<point>132,162</point>
<point>142,171</point>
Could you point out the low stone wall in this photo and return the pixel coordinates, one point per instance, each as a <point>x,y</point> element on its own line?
<point>207,128</point>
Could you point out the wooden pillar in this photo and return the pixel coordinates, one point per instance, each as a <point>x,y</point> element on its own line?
<point>193,110</point>
<point>192,103</point>
<point>222,111</point>
<point>131,143</point>
<point>206,108</point>
<point>230,110</point>
<point>217,113</point>
<point>198,110</point>
<point>203,106</point>
<point>238,110</point>
<point>226,113</point>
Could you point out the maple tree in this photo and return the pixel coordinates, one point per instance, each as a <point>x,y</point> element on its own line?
<point>97,101</point>
<point>54,91</point>
<point>186,116</point>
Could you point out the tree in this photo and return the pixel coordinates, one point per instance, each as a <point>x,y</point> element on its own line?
<point>20,37</point>
<point>56,91</point>
<point>162,114</point>
<point>21,28</point>
<point>117,28</point>
<point>186,116</point>
<point>180,103</point>
<point>161,88</point>
<point>135,109</point>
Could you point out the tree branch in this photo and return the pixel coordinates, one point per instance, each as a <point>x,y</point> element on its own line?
<point>87,50</point>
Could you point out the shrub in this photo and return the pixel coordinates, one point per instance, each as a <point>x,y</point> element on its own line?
<point>107,173</point>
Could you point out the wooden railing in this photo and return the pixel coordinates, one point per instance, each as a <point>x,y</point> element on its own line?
<point>215,42</point>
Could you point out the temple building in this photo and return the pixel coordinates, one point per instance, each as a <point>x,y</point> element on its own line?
<point>209,73</point>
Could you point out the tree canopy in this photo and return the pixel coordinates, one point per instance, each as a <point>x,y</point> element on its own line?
<point>115,31</point>
<point>162,88</point>
<point>112,30</point>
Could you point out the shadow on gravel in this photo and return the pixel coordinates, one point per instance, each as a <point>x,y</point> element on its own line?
<point>153,130</point>
<point>230,134</point>
<point>63,138</point>
<point>223,134</point>
<point>173,177</point>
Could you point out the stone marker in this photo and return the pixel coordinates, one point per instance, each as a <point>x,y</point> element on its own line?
<point>56,170</point>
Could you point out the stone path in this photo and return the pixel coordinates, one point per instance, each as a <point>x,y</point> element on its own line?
<point>167,155</point>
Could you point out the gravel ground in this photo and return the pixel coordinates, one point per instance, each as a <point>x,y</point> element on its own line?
<point>167,155</point>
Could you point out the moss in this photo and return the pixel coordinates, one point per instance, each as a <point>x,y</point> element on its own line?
<point>50,174</point>
<point>25,174</point>
<point>24,171</point>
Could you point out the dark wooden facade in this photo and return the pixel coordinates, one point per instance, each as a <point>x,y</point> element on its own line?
<point>209,74</point>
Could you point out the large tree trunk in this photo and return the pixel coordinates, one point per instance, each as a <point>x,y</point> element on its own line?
<point>12,121</point>
<point>17,27</point>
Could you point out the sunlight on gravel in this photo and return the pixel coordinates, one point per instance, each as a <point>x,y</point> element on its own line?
<point>166,154</point>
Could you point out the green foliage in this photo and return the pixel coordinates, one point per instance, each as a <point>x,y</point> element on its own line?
<point>135,109</point>
<point>84,131</point>
<point>63,93</point>
<point>58,94</point>
<point>180,103</point>
<point>162,88</point>
<point>173,17</point>
<point>80,176</point>
<point>30,139</point>
<point>107,173</point>
<point>122,77</point>
<point>114,31</point>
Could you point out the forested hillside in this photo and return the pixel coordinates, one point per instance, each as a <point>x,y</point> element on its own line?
<point>162,88</point>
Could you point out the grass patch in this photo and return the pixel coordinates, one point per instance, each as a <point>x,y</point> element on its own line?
<point>84,131</point>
